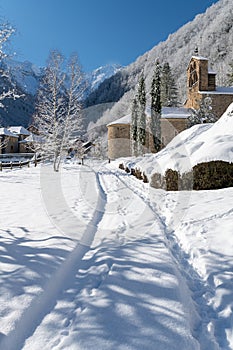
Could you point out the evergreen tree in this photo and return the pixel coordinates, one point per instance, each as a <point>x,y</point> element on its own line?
<point>141,125</point>
<point>134,126</point>
<point>168,87</point>
<point>155,125</point>
<point>230,75</point>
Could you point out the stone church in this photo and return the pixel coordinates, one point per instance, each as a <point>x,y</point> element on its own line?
<point>201,82</point>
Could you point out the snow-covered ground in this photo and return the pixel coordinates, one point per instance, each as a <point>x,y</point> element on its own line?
<point>91,258</point>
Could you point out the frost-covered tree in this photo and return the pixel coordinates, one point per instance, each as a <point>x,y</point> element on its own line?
<point>6,32</point>
<point>58,109</point>
<point>141,122</point>
<point>169,94</point>
<point>155,125</point>
<point>134,127</point>
<point>230,75</point>
<point>204,114</point>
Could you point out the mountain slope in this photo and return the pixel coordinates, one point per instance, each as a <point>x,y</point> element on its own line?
<point>26,76</point>
<point>97,76</point>
<point>211,31</point>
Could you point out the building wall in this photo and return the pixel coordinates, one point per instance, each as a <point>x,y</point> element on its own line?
<point>220,103</point>
<point>12,145</point>
<point>119,144</point>
<point>119,141</point>
<point>170,128</point>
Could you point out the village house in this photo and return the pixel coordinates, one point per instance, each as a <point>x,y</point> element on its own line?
<point>8,141</point>
<point>201,83</point>
<point>16,139</point>
<point>22,133</point>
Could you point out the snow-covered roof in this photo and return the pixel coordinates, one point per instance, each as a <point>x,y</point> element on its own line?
<point>220,90</point>
<point>32,138</point>
<point>6,132</point>
<point>176,112</point>
<point>197,57</point>
<point>124,120</point>
<point>210,71</point>
<point>19,130</point>
<point>200,58</point>
<point>167,113</point>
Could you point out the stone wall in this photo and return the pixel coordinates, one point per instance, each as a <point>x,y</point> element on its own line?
<point>11,146</point>
<point>170,128</point>
<point>119,141</point>
<point>220,102</point>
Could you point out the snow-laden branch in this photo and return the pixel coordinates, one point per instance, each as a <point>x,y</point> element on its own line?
<point>58,109</point>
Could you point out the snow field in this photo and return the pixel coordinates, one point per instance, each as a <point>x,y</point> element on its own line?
<point>112,263</point>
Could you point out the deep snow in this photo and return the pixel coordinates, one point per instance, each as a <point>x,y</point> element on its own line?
<point>94,259</point>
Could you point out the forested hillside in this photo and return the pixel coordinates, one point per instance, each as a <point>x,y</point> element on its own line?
<point>211,32</point>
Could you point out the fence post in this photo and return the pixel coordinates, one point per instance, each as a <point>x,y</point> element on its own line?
<point>11,165</point>
<point>0,166</point>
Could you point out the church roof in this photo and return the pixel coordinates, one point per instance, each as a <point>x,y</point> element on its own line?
<point>220,90</point>
<point>201,58</point>
<point>176,112</point>
<point>123,120</point>
<point>167,113</point>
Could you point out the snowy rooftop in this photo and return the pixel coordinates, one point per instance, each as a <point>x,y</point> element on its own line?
<point>210,71</point>
<point>19,130</point>
<point>167,112</point>
<point>32,138</point>
<point>200,58</point>
<point>176,112</point>
<point>226,90</point>
<point>124,120</point>
<point>5,132</point>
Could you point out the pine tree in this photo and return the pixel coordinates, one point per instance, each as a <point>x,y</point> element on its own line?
<point>155,125</point>
<point>230,75</point>
<point>141,125</point>
<point>134,126</point>
<point>168,87</point>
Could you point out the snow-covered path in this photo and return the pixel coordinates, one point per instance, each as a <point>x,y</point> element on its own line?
<point>95,268</point>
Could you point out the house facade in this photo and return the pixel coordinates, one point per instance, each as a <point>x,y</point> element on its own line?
<point>8,141</point>
<point>22,134</point>
<point>12,140</point>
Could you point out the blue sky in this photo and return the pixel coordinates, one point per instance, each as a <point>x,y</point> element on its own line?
<point>100,31</point>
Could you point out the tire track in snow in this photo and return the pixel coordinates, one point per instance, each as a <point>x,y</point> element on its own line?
<point>187,275</point>
<point>45,302</point>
